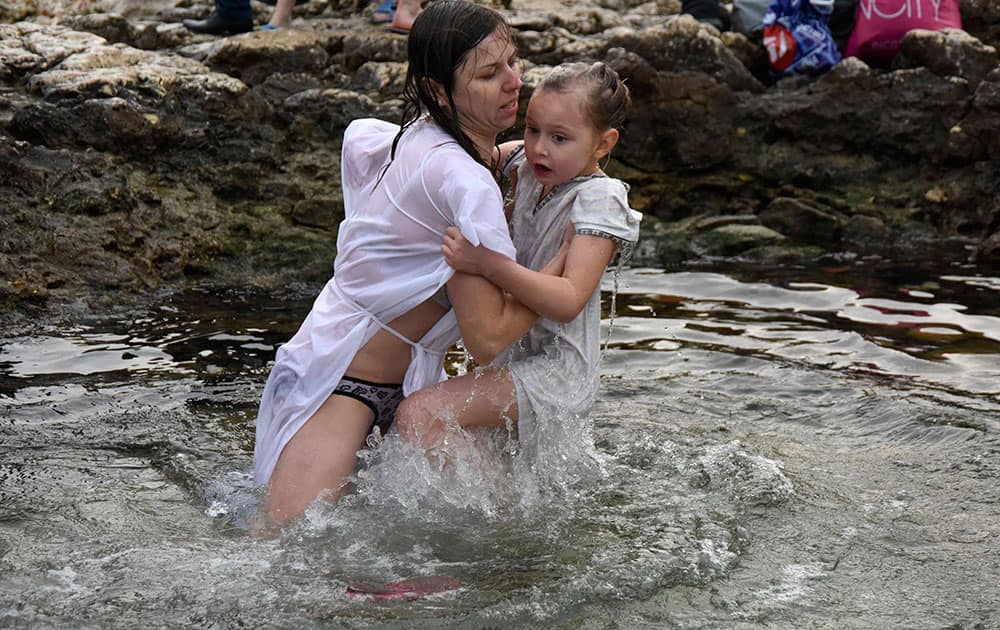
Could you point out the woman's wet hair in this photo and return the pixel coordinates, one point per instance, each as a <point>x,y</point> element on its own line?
<point>607,97</point>
<point>440,40</point>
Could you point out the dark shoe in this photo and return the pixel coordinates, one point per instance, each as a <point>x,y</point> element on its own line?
<point>217,25</point>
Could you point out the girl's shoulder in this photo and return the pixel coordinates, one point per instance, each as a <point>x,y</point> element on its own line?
<point>601,208</point>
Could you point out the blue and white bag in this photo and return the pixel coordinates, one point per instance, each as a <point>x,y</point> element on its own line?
<point>797,38</point>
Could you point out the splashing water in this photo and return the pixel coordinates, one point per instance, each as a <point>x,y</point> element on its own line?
<point>769,453</point>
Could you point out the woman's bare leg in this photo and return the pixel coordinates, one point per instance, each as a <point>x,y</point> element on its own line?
<point>485,399</point>
<point>318,459</point>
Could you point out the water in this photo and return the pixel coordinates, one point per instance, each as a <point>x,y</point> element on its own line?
<point>784,449</point>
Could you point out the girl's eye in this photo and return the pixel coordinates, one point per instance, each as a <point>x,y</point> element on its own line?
<point>558,139</point>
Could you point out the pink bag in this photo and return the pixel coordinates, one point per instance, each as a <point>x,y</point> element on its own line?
<point>879,25</point>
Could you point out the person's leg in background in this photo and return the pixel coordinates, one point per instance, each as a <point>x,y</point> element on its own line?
<point>229,17</point>
<point>282,15</point>
<point>406,12</point>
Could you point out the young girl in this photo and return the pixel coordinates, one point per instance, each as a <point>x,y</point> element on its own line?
<point>573,122</point>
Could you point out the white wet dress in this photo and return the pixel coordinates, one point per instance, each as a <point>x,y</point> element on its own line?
<point>555,366</point>
<point>388,261</point>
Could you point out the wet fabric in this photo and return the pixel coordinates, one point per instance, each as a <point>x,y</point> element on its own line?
<point>388,261</point>
<point>555,366</point>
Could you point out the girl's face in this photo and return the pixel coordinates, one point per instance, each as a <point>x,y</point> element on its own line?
<point>487,85</point>
<point>560,141</point>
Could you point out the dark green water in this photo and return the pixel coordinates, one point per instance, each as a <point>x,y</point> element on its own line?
<point>793,449</point>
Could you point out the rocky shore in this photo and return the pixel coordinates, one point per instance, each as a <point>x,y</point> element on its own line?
<point>135,155</point>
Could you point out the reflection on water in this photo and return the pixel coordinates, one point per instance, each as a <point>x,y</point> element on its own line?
<point>782,451</point>
<point>937,342</point>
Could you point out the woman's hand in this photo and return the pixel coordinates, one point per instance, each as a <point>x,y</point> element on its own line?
<point>461,255</point>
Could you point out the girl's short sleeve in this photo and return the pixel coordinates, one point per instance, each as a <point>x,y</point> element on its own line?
<point>600,208</point>
<point>467,194</point>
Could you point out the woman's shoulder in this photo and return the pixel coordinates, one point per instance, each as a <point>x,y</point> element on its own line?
<point>370,126</point>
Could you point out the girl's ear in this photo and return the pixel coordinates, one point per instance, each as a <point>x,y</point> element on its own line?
<point>607,142</point>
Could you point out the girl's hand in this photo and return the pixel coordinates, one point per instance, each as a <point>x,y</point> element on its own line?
<point>460,255</point>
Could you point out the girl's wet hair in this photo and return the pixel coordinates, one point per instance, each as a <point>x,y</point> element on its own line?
<point>439,42</point>
<point>607,96</point>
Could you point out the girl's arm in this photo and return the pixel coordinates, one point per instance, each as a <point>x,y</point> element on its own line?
<point>490,319</point>
<point>559,297</point>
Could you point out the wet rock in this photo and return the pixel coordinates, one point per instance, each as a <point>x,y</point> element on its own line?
<point>734,239</point>
<point>989,251</point>
<point>866,231</point>
<point>803,222</point>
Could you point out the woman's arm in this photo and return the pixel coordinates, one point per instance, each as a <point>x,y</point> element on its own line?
<point>560,297</point>
<point>489,318</point>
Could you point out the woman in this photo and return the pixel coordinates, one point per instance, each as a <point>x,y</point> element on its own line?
<point>381,325</point>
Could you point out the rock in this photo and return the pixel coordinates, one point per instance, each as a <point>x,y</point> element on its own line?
<point>325,214</point>
<point>803,222</point>
<point>162,36</point>
<point>734,239</point>
<point>138,9</point>
<point>257,55</point>
<point>976,136</point>
<point>110,26</point>
<point>684,45</point>
<point>134,153</point>
<point>866,231</point>
<point>989,251</point>
<point>947,52</point>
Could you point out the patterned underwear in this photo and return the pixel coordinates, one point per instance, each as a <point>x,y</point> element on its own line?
<point>381,398</point>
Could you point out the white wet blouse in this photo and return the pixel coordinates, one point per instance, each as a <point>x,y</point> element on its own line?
<point>388,261</point>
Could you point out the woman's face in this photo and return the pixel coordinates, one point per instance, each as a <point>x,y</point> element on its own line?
<point>487,85</point>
